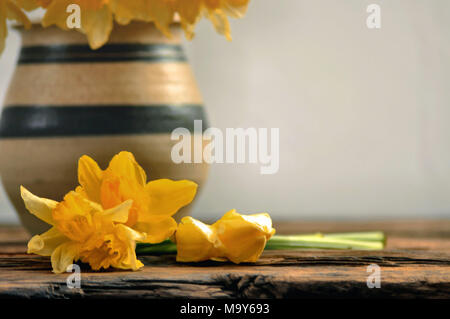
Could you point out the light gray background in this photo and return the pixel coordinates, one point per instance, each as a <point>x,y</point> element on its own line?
<point>364,115</point>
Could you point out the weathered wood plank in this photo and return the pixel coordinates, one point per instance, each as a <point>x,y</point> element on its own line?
<point>410,267</point>
<point>229,281</point>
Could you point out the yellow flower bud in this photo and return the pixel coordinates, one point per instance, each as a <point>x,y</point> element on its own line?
<point>234,237</point>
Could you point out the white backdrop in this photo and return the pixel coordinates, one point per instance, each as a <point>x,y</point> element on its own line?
<point>364,115</point>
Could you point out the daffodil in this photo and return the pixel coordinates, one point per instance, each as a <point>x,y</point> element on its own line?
<point>97,15</point>
<point>164,12</point>
<point>83,230</point>
<point>154,203</point>
<point>217,11</point>
<point>234,237</point>
<point>10,10</point>
<point>96,18</point>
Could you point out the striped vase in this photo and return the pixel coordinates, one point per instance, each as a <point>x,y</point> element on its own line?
<point>66,100</point>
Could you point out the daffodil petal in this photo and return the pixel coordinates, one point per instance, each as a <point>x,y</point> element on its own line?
<point>162,13</point>
<point>221,24</point>
<point>157,230</point>
<point>236,8</point>
<point>3,25</point>
<point>63,256</point>
<point>46,243</point>
<point>10,10</point>
<point>74,217</point>
<point>90,177</point>
<point>124,165</point>
<point>56,14</point>
<point>96,19</point>
<point>97,24</point>
<point>118,214</point>
<point>129,237</point>
<point>195,241</point>
<point>126,10</point>
<point>167,197</point>
<point>261,220</point>
<point>28,5</point>
<point>131,234</point>
<point>243,237</point>
<point>189,10</point>
<point>40,207</point>
<point>13,12</point>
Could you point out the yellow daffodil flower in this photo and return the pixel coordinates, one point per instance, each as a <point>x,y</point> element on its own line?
<point>235,237</point>
<point>10,10</point>
<point>163,13</point>
<point>29,5</point>
<point>217,11</point>
<point>96,18</point>
<point>83,230</point>
<point>154,203</point>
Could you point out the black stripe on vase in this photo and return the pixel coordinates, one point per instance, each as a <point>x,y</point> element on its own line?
<point>127,52</point>
<point>55,121</point>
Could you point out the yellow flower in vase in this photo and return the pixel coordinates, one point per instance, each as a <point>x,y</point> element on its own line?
<point>10,10</point>
<point>82,230</point>
<point>163,13</point>
<point>96,18</point>
<point>235,237</point>
<point>217,11</point>
<point>154,203</point>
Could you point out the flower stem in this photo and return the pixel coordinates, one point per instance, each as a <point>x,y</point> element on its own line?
<point>166,247</point>
<point>361,241</point>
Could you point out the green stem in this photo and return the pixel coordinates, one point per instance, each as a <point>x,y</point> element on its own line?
<point>361,241</point>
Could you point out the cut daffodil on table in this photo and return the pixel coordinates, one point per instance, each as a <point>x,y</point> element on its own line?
<point>83,230</point>
<point>234,237</point>
<point>242,238</point>
<point>154,203</point>
<point>100,222</point>
<point>98,16</point>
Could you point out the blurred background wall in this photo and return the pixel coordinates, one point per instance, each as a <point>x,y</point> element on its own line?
<point>364,114</point>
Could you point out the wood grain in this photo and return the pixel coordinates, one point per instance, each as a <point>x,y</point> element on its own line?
<point>413,266</point>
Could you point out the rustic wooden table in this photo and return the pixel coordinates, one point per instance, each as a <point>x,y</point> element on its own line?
<point>415,263</point>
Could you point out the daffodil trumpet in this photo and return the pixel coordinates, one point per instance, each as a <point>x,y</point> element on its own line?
<point>375,240</point>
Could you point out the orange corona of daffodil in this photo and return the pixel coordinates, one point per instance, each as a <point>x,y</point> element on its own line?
<point>154,203</point>
<point>83,230</point>
<point>237,238</point>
